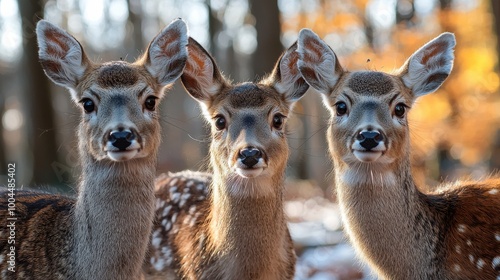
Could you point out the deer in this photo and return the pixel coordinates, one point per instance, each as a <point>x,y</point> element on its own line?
<point>230,223</point>
<point>400,231</point>
<point>103,232</point>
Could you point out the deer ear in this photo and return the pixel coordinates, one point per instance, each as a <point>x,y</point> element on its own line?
<point>317,62</point>
<point>61,55</point>
<point>286,78</point>
<point>201,78</point>
<point>167,53</point>
<point>428,67</point>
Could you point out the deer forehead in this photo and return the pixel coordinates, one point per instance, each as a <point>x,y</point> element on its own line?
<point>249,95</point>
<point>370,90</point>
<point>370,83</point>
<point>118,75</point>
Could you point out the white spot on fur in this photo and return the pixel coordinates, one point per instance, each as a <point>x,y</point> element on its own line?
<point>166,210</point>
<point>174,182</point>
<point>164,222</point>
<point>168,226</point>
<point>167,255</point>
<point>158,263</point>
<point>192,209</point>
<point>184,198</point>
<point>457,249</point>
<point>461,228</point>
<point>176,197</point>
<point>160,203</point>
<point>471,258</point>
<point>174,188</point>
<point>2,257</point>
<point>493,191</point>
<point>480,263</point>
<point>496,263</point>
<point>174,217</point>
<point>497,236</point>
<point>469,243</point>
<point>200,187</point>
<point>456,267</point>
<point>156,238</point>
<point>156,242</point>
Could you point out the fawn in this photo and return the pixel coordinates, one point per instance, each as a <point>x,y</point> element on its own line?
<point>230,225</point>
<point>104,232</point>
<point>453,233</point>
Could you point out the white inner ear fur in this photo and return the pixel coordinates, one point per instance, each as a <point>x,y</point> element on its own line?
<point>286,83</point>
<point>63,49</point>
<point>165,51</point>
<point>203,75</point>
<point>435,57</point>
<point>316,56</point>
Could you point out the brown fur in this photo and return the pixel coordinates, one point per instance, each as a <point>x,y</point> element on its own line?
<point>229,227</point>
<point>116,74</point>
<point>401,232</point>
<point>368,82</point>
<point>103,233</point>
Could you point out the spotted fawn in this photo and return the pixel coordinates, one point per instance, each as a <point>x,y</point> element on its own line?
<point>231,224</point>
<point>452,233</point>
<point>104,232</point>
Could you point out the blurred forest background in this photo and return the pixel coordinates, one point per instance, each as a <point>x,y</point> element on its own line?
<point>455,131</point>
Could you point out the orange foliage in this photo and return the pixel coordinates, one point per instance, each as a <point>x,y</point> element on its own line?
<point>464,114</point>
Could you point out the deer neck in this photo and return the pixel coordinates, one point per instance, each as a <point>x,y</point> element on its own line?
<point>113,217</point>
<point>249,232</point>
<point>387,218</point>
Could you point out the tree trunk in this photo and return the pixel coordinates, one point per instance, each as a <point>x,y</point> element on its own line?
<point>495,7</point>
<point>268,29</point>
<point>135,40</point>
<point>37,100</point>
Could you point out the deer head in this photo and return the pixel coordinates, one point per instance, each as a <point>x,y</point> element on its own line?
<point>118,99</point>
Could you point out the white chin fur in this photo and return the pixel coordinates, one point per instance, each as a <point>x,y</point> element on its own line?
<point>122,155</point>
<point>249,172</point>
<point>367,156</point>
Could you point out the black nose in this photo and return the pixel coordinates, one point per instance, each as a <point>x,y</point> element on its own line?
<point>369,139</point>
<point>121,139</point>
<point>250,156</point>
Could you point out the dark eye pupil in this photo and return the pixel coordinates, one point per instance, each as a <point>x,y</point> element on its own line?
<point>399,110</point>
<point>88,105</point>
<point>150,103</point>
<point>278,121</point>
<point>341,108</point>
<point>220,123</point>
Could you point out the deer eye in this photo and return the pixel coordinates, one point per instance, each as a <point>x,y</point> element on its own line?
<point>150,103</point>
<point>88,105</point>
<point>340,108</point>
<point>220,122</point>
<point>278,121</point>
<point>400,110</point>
